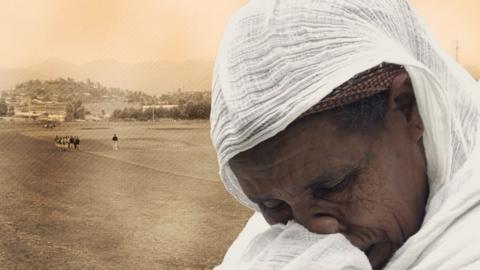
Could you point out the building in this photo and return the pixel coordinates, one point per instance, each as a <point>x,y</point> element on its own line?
<point>37,109</point>
<point>163,106</point>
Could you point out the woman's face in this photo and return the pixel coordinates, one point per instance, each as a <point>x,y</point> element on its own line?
<point>370,187</point>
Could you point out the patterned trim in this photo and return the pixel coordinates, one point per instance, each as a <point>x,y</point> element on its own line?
<point>362,85</point>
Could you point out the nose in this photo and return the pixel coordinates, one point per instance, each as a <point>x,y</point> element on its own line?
<point>316,222</point>
<point>323,225</point>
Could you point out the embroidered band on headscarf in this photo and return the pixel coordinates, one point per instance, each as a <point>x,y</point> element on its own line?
<point>362,85</point>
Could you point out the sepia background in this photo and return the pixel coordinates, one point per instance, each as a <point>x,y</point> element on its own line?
<point>141,70</point>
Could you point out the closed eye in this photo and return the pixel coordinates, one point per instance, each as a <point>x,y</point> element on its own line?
<point>271,204</point>
<point>347,180</point>
<point>321,189</point>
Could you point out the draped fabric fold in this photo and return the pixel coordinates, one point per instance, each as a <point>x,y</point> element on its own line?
<point>278,58</point>
<point>291,247</point>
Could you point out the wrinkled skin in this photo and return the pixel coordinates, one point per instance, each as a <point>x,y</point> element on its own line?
<point>369,186</point>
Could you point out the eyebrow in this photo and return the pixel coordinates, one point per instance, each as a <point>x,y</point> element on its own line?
<point>324,178</point>
<point>337,173</point>
<point>259,200</point>
<point>316,182</point>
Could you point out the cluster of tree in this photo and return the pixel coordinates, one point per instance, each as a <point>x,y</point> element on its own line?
<point>140,97</point>
<point>68,90</point>
<point>3,107</point>
<point>75,110</point>
<point>182,98</point>
<point>190,110</point>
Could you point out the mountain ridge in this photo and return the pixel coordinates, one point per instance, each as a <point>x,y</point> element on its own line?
<point>151,77</point>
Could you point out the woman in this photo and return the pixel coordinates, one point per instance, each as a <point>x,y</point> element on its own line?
<point>345,119</point>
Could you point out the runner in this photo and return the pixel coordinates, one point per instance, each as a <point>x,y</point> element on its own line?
<point>57,142</point>
<point>71,142</point>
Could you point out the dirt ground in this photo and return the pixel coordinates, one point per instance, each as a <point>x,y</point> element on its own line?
<point>157,203</point>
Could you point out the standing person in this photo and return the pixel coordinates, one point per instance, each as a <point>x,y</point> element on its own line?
<point>76,143</point>
<point>115,142</point>
<point>71,142</point>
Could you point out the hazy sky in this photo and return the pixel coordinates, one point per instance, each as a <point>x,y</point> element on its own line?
<point>451,20</point>
<point>79,31</point>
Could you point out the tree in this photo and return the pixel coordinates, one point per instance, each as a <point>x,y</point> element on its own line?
<point>11,111</point>
<point>75,111</point>
<point>116,115</point>
<point>3,107</point>
<point>197,110</point>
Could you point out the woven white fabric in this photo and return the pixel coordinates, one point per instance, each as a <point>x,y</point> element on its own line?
<point>280,57</point>
<point>291,247</point>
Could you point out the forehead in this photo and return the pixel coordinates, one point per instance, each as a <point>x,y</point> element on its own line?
<point>310,146</point>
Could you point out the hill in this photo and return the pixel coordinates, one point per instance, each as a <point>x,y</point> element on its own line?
<point>66,90</point>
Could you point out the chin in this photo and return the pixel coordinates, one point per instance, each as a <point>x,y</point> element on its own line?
<point>379,254</point>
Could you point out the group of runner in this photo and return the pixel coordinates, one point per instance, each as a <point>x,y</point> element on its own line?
<point>66,143</point>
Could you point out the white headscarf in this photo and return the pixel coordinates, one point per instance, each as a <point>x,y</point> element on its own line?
<point>280,57</point>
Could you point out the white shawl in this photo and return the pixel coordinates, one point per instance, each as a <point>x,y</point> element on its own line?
<point>280,57</point>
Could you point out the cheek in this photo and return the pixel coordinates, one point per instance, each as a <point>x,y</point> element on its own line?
<point>376,203</point>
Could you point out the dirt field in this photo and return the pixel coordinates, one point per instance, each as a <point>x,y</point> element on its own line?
<point>157,203</point>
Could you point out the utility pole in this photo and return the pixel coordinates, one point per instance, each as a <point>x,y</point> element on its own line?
<point>29,107</point>
<point>153,113</point>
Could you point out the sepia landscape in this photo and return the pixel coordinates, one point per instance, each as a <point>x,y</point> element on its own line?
<point>94,69</point>
<point>156,203</point>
